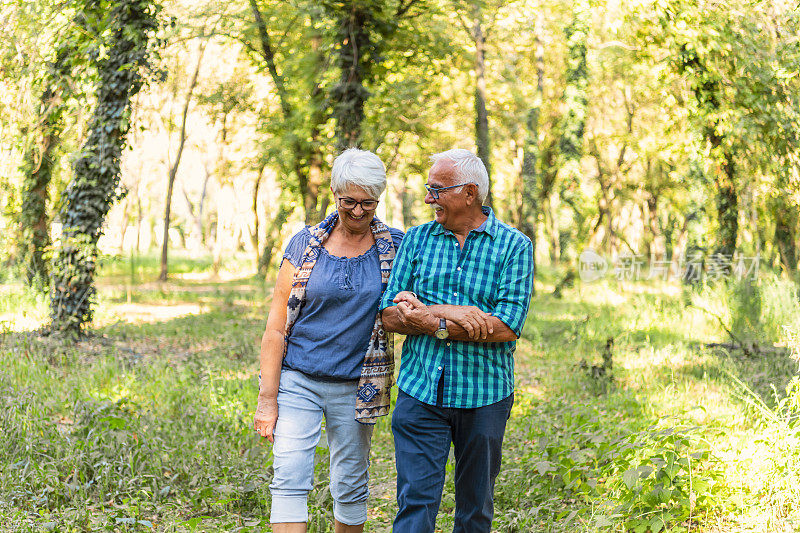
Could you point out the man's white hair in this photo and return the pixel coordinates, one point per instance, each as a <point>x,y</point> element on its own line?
<point>360,168</point>
<point>469,169</point>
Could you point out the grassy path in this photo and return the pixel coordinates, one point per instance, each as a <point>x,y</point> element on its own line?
<point>146,426</point>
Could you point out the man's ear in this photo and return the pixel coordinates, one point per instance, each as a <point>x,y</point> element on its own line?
<point>472,193</point>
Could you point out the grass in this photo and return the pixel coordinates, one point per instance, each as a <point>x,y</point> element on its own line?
<point>146,425</point>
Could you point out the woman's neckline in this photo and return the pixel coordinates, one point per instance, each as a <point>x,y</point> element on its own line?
<point>354,258</point>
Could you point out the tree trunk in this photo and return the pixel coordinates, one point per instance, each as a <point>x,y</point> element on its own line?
<point>138,220</point>
<point>271,238</point>
<point>727,203</point>
<point>226,228</point>
<point>34,220</point>
<point>786,237</point>
<point>531,186</point>
<point>573,122</point>
<point>97,171</point>
<point>548,175</point>
<point>173,171</point>
<point>601,236</point>
<point>38,166</point>
<point>553,233</point>
<point>197,213</point>
<point>313,183</point>
<point>355,51</point>
<point>254,233</point>
<point>126,217</point>
<point>658,248</point>
<point>706,88</point>
<point>481,115</point>
<point>679,248</point>
<point>223,204</point>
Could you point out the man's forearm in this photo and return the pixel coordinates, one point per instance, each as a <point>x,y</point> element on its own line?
<point>501,332</point>
<point>391,322</point>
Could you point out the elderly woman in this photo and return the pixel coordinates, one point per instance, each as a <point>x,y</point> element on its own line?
<point>324,351</point>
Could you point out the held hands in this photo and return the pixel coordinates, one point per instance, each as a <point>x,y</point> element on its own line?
<point>414,313</point>
<point>266,417</point>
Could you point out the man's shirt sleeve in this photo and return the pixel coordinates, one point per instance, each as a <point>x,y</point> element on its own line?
<point>402,267</point>
<point>516,283</point>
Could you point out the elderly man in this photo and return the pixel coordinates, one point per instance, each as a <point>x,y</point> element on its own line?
<point>460,291</point>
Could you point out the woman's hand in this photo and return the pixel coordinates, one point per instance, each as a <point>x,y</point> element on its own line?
<point>266,417</point>
<point>405,296</point>
<point>414,314</point>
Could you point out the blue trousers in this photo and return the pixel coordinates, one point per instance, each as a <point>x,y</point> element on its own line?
<point>422,437</point>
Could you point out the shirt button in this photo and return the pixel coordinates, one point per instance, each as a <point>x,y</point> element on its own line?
<point>448,345</point>
<point>458,268</point>
<point>440,368</point>
<point>455,294</point>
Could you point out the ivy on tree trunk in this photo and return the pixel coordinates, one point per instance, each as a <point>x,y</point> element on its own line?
<point>39,163</point>
<point>706,87</point>
<point>573,123</point>
<point>95,187</point>
<point>575,101</point>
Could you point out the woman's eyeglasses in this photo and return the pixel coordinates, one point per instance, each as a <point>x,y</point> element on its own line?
<point>348,203</point>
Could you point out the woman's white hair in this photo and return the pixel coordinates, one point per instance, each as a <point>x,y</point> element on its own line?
<point>360,168</point>
<point>469,169</point>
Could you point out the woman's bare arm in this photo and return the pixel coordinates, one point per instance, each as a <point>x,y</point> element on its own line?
<point>272,353</point>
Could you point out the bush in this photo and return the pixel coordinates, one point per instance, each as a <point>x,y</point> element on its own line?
<point>588,468</point>
<point>754,312</point>
<point>773,456</point>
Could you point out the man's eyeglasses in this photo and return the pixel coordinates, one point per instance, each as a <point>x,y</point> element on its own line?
<point>348,203</point>
<point>434,191</point>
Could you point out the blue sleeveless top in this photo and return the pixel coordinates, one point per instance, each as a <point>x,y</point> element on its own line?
<point>329,338</point>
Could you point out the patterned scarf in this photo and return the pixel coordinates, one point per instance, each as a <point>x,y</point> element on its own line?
<point>377,373</point>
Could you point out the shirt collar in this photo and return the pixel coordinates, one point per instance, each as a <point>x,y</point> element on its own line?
<point>488,226</point>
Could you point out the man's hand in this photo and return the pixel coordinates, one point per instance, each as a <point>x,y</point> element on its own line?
<point>266,417</point>
<point>474,321</point>
<point>414,314</point>
<point>466,322</point>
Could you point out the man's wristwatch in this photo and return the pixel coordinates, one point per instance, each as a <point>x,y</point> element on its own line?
<point>441,333</point>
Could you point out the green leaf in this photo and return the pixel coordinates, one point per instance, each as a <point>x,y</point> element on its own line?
<point>656,525</point>
<point>630,477</point>
<point>543,467</point>
<point>603,521</point>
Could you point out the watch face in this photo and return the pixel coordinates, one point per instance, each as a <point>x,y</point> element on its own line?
<point>441,334</point>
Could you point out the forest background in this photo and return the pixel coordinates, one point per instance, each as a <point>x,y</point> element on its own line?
<point>154,157</point>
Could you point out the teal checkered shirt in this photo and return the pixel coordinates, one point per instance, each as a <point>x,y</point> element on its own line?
<point>494,272</point>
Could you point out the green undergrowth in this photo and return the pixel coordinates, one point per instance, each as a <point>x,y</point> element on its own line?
<point>146,425</point>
